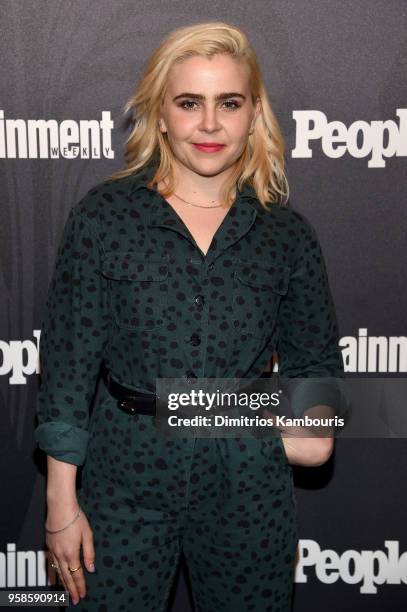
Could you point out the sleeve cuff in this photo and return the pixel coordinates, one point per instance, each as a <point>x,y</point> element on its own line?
<point>63,441</point>
<point>306,393</point>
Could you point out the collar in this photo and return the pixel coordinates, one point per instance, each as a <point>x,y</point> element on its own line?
<point>238,221</point>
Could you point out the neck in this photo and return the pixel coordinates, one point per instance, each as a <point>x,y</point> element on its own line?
<point>195,186</point>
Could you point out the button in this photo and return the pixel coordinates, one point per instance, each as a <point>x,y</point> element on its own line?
<point>195,340</point>
<point>199,300</point>
<point>211,266</point>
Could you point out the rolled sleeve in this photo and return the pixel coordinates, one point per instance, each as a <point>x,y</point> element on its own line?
<point>308,341</point>
<point>73,336</point>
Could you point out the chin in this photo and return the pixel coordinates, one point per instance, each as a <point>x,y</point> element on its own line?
<point>209,173</point>
<point>210,169</point>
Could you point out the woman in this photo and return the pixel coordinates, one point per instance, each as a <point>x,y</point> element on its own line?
<point>186,264</point>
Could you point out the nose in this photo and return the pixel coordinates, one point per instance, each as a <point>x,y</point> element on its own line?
<point>209,121</point>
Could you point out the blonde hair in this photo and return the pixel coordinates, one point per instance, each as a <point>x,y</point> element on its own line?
<point>261,164</point>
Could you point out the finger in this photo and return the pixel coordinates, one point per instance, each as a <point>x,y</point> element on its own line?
<point>69,582</point>
<point>88,550</point>
<point>57,562</point>
<point>78,577</point>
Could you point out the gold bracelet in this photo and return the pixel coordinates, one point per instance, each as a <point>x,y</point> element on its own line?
<point>63,528</point>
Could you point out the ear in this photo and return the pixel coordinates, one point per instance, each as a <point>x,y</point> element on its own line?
<point>257,109</point>
<point>162,126</point>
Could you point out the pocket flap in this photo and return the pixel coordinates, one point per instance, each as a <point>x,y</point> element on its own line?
<point>134,267</point>
<point>264,275</point>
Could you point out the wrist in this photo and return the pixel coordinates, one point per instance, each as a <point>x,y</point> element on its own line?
<point>56,518</point>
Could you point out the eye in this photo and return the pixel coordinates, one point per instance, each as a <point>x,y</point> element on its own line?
<point>187,102</point>
<point>233,103</point>
<point>229,105</point>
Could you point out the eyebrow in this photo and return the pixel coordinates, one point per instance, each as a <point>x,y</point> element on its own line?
<point>222,96</point>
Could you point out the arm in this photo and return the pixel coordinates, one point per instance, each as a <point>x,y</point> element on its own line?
<point>73,337</point>
<point>61,479</point>
<point>307,347</point>
<point>64,545</point>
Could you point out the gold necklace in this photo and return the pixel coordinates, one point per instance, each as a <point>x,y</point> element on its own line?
<point>198,205</point>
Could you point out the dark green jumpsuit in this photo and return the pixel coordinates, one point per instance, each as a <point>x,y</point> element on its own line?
<point>132,288</point>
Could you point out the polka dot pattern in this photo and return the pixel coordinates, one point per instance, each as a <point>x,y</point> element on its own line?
<point>226,504</point>
<point>131,288</point>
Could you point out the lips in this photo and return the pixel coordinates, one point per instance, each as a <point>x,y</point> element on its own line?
<point>208,147</point>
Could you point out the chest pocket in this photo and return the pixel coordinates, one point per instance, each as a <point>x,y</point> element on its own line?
<point>138,289</point>
<point>258,288</point>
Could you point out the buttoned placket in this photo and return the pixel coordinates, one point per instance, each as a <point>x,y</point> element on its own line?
<point>235,225</point>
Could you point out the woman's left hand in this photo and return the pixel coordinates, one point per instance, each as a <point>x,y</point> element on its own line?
<point>305,446</point>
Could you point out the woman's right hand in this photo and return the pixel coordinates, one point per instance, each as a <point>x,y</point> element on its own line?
<point>65,546</point>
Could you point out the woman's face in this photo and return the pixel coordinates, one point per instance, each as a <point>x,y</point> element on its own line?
<point>208,101</point>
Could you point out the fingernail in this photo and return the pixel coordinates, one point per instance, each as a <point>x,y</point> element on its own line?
<point>91,567</point>
<point>75,601</point>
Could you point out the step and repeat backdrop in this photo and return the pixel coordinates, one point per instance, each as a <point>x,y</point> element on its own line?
<point>336,73</point>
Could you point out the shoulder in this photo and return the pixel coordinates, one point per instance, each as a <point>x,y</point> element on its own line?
<point>112,204</point>
<point>107,202</point>
<point>290,222</point>
<point>95,204</point>
<point>293,232</point>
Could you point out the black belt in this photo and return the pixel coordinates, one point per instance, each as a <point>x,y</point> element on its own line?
<point>130,401</point>
<point>134,402</point>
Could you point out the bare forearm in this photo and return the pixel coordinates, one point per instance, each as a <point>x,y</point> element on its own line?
<point>310,452</point>
<point>61,481</point>
<point>308,446</point>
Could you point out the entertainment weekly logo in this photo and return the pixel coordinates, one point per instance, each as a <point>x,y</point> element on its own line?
<point>360,139</point>
<point>26,568</point>
<point>363,353</point>
<point>50,139</point>
<point>366,569</point>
